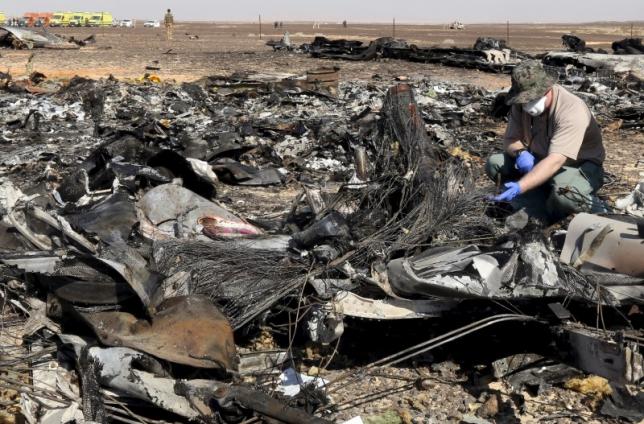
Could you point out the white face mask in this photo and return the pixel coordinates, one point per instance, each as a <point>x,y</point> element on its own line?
<point>535,107</point>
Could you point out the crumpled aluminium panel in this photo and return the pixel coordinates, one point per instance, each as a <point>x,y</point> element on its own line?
<point>621,250</point>
<point>466,272</point>
<point>22,37</point>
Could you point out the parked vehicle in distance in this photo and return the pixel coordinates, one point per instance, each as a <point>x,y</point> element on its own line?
<point>39,19</point>
<point>3,18</point>
<point>152,24</point>
<point>80,19</point>
<point>100,19</point>
<point>127,23</point>
<point>61,19</point>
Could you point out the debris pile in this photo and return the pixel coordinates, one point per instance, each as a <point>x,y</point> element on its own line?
<point>576,44</point>
<point>487,54</point>
<point>628,46</point>
<point>626,62</point>
<point>151,230</point>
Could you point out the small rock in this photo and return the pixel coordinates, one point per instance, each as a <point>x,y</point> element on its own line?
<point>389,417</point>
<point>424,384</point>
<point>447,369</point>
<point>471,419</point>
<point>405,416</point>
<point>490,407</point>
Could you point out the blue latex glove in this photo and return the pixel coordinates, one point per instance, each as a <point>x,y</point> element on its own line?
<point>513,190</point>
<point>525,162</point>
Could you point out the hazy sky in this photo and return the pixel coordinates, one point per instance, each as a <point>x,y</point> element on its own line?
<point>413,11</point>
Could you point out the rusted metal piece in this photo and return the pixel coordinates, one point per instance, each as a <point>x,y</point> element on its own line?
<point>265,405</point>
<point>325,79</point>
<point>187,330</point>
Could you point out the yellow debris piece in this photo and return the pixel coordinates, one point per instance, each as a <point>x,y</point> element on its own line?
<point>457,152</point>
<point>593,385</point>
<point>149,78</point>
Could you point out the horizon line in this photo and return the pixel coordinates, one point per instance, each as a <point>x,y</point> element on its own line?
<point>339,22</point>
<point>379,22</point>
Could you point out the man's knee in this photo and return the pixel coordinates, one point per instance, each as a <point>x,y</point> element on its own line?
<point>563,201</point>
<point>571,192</point>
<point>495,166</point>
<point>570,196</point>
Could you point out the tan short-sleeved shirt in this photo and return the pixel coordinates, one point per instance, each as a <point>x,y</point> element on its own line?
<point>568,128</point>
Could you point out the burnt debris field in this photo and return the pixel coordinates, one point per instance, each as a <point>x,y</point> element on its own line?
<point>310,243</point>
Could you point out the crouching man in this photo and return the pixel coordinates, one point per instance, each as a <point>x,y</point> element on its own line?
<point>552,163</point>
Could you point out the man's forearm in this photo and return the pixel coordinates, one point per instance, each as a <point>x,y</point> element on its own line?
<point>512,148</point>
<point>542,172</point>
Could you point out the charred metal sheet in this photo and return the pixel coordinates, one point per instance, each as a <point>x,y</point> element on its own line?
<point>119,272</point>
<point>119,370</point>
<point>612,355</point>
<point>628,46</point>
<point>231,171</point>
<point>86,280</point>
<point>496,61</point>
<point>575,44</point>
<point>441,272</point>
<point>592,62</point>
<point>63,226</point>
<point>488,54</point>
<point>187,330</point>
<point>175,165</point>
<point>265,405</point>
<point>116,213</point>
<point>524,271</point>
<point>489,43</point>
<point>133,268</point>
<point>331,227</point>
<point>234,401</point>
<point>320,42</point>
<point>23,38</point>
<point>262,362</point>
<point>31,261</point>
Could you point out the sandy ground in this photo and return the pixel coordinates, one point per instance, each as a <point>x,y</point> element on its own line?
<point>226,48</point>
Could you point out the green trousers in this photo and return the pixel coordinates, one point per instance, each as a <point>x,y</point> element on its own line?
<point>569,191</point>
